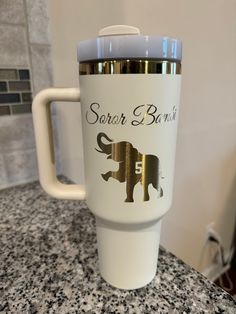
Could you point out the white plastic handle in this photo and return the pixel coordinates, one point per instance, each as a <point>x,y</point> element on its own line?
<point>44,143</point>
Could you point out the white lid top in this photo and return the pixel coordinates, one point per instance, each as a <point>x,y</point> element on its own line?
<point>124,42</point>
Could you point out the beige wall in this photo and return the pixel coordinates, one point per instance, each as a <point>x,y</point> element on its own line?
<point>205,181</point>
<point>72,21</point>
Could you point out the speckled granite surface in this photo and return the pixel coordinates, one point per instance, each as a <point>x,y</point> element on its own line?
<point>48,264</point>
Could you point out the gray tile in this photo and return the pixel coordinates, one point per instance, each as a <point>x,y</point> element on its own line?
<point>56,143</point>
<point>55,132</point>
<point>58,163</point>
<point>54,108</point>
<point>24,74</point>
<point>12,11</point>
<point>20,166</point>
<point>13,46</point>
<point>20,109</point>
<point>3,177</point>
<point>41,67</point>
<point>16,133</point>
<point>38,24</point>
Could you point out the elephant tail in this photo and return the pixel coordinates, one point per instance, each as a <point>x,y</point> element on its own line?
<point>104,147</point>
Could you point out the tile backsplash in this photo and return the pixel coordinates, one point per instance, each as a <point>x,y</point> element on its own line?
<point>25,69</point>
<point>15,91</point>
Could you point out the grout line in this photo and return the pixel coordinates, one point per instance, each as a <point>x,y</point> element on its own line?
<point>28,46</point>
<point>14,67</point>
<point>20,182</point>
<point>10,152</point>
<point>12,24</point>
<point>11,112</point>
<point>41,44</point>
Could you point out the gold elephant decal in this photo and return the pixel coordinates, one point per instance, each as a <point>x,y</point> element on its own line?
<point>134,167</point>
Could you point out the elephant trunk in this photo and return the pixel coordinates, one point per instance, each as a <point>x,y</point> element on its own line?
<point>105,148</point>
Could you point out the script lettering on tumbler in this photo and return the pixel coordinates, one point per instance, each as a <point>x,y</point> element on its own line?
<point>148,114</point>
<point>145,114</point>
<point>93,116</point>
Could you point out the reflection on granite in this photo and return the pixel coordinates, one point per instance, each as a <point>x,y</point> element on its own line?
<point>48,264</point>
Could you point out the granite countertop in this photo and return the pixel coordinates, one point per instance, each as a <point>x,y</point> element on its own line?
<point>48,264</point>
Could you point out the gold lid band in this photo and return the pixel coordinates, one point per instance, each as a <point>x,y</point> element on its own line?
<point>130,67</point>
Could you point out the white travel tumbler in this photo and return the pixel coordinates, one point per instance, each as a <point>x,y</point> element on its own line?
<point>129,94</point>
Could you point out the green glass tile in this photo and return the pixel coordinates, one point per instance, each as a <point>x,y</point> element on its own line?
<point>8,74</point>
<point>18,109</point>
<point>9,98</point>
<point>4,110</point>
<point>3,86</point>
<point>26,97</point>
<point>19,86</point>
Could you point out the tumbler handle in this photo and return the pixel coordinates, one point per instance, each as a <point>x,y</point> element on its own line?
<point>44,143</point>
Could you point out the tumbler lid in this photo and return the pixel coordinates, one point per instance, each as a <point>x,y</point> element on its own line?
<point>125,42</point>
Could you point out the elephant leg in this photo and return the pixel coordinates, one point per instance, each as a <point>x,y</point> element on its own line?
<point>145,193</point>
<point>159,189</point>
<point>129,191</point>
<point>120,173</point>
<point>107,175</point>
